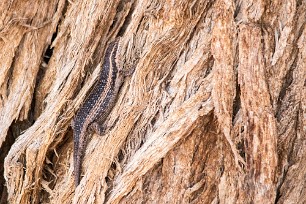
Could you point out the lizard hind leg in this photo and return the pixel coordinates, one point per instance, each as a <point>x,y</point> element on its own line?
<point>95,127</point>
<point>129,71</point>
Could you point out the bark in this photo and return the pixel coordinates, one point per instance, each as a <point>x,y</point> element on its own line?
<point>214,112</point>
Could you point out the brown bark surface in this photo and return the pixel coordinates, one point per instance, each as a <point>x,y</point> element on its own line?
<point>214,112</point>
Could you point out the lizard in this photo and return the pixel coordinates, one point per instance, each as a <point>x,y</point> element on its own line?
<point>97,105</point>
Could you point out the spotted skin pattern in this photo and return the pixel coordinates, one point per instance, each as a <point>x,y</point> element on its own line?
<point>96,106</point>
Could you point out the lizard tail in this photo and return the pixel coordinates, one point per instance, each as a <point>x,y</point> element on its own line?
<point>79,149</point>
<point>76,161</point>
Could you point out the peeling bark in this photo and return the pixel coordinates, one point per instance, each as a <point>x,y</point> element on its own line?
<point>214,112</point>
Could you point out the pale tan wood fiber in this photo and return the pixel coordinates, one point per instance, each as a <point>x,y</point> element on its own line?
<point>214,112</point>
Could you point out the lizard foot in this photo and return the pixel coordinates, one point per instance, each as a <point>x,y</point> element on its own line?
<point>96,128</point>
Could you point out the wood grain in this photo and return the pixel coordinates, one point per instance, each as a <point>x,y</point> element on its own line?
<point>214,113</point>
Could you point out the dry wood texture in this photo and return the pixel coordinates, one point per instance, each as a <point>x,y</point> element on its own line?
<point>214,113</point>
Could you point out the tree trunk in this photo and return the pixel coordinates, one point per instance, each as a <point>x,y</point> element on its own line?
<point>214,112</point>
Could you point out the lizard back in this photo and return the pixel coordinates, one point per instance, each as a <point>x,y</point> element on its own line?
<point>96,105</point>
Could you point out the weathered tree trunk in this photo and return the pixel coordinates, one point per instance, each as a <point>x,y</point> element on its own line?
<point>214,112</point>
